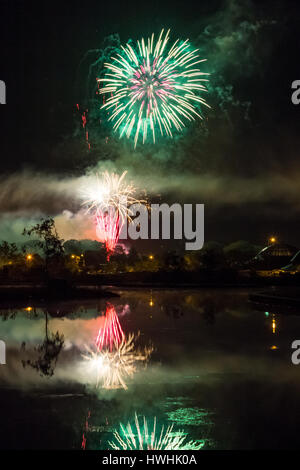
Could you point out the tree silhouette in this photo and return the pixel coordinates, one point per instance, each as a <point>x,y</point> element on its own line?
<point>48,353</point>
<point>8,251</point>
<point>48,240</point>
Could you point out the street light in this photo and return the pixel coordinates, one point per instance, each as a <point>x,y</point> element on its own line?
<point>272,239</point>
<point>29,257</point>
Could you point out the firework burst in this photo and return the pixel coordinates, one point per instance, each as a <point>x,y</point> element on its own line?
<point>142,438</point>
<point>109,197</point>
<point>113,368</point>
<point>154,86</point>
<point>110,191</point>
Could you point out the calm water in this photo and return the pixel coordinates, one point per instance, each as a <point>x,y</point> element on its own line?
<point>220,371</point>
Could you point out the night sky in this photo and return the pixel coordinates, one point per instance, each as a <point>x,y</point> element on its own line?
<point>242,161</point>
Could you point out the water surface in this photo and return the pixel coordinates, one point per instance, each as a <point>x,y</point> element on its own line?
<point>220,371</point>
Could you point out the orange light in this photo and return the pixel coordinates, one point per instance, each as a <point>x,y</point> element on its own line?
<point>151,303</point>
<point>29,257</point>
<point>272,239</point>
<point>28,309</point>
<point>73,256</point>
<point>151,257</point>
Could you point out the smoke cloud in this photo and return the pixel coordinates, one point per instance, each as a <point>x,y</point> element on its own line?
<point>27,196</point>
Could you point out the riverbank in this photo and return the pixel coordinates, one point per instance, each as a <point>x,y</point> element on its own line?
<point>32,291</point>
<point>87,286</point>
<point>278,296</point>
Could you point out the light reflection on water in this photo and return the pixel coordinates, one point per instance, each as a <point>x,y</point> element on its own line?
<point>219,371</point>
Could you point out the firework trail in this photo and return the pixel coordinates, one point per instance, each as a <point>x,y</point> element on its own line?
<point>137,438</point>
<point>108,227</point>
<point>84,121</point>
<point>111,333</point>
<point>109,199</point>
<point>153,85</point>
<point>113,368</point>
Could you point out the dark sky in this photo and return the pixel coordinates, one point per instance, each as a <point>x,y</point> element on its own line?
<point>243,164</point>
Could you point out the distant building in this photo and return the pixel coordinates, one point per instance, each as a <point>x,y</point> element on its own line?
<point>294,264</point>
<point>274,256</point>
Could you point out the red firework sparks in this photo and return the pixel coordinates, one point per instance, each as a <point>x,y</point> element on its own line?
<point>108,226</point>
<point>86,428</point>
<point>110,335</point>
<point>84,122</point>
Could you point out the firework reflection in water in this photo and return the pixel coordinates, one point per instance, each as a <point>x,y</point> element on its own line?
<point>111,333</point>
<point>142,438</point>
<point>113,367</point>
